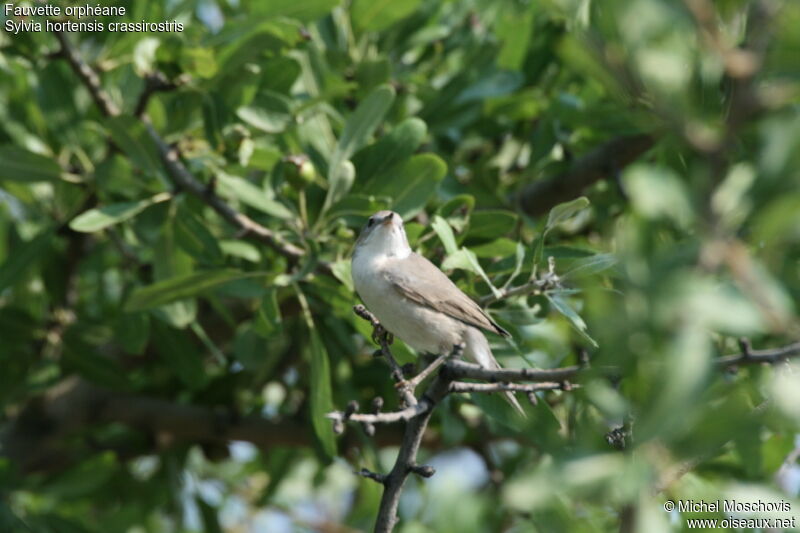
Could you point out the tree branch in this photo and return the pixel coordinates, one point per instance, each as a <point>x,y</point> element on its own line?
<point>407,456</point>
<point>176,170</point>
<point>748,356</point>
<point>461,386</point>
<point>604,161</point>
<point>417,415</point>
<point>462,369</point>
<point>153,83</point>
<point>34,439</point>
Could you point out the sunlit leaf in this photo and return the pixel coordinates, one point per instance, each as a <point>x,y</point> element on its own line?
<point>109,215</point>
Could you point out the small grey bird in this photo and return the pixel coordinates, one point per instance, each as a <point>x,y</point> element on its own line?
<point>416,301</point>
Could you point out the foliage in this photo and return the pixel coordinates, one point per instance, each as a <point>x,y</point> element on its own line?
<point>118,287</point>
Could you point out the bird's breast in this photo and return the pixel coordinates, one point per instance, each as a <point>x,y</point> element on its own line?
<point>422,328</point>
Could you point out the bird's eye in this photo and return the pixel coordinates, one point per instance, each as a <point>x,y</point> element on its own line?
<point>370,222</point>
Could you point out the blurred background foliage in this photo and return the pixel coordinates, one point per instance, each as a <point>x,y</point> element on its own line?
<point>140,330</point>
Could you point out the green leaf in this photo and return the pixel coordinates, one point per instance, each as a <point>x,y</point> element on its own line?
<point>466,260</point>
<point>84,478</point>
<point>321,395</point>
<point>81,357</point>
<point>376,15</point>
<point>108,215</point>
<point>18,264</point>
<point>131,136</point>
<point>169,262</point>
<point>342,270</point>
<point>411,184</point>
<point>303,10</point>
<point>186,286</point>
<point>590,265</point>
<point>269,112</point>
<point>357,204</point>
<point>18,164</point>
<point>280,74</point>
<point>563,307</point>
<point>180,354</point>
<point>268,319</point>
<point>498,408</point>
<point>132,331</point>
<point>193,236</point>
<point>445,233</point>
<point>397,146</point>
<point>657,192</point>
<point>356,131</point>
<point>501,247</point>
<point>199,61</point>
<point>564,211</point>
<point>209,515</point>
<point>514,26</point>
<point>249,194</point>
<point>240,249</point>
<point>490,224</point>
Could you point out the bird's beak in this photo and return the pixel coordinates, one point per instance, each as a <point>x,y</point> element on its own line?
<point>387,219</point>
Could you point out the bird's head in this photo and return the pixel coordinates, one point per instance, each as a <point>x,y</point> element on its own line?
<point>383,234</point>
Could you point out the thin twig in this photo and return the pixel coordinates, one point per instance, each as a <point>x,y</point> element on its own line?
<point>383,338</point>
<point>462,369</point>
<point>461,386</point>
<point>757,357</point>
<point>388,417</point>
<point>153,83</point>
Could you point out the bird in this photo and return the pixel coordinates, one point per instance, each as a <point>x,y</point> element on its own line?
<point>414,300</point>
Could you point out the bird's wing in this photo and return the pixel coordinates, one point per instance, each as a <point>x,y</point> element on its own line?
<point>417,279</point>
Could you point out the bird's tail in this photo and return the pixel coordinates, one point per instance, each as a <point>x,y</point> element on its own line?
<point>477,349</point>
<point>514,403</point>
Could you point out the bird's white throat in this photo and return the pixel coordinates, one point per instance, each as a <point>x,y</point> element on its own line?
<point>386,241</point>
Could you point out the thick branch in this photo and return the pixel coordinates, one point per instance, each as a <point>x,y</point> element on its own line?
<point>603,162</point>
<point>88,76</point>
<point>34,439</point>
<point>407,456</point>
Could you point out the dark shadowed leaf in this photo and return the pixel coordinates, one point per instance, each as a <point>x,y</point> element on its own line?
<point>186,286</point>
<point>398,145</point>
<point>180,354</point>
<point>304,10</point>
<point>130,135</point>
<point>411,184</point>
<point>132,330</point>
<point>18,264</point>
<point>380,14</point>
<point>269,314</point>
<point>18,164</point>
<point>321,396</point>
